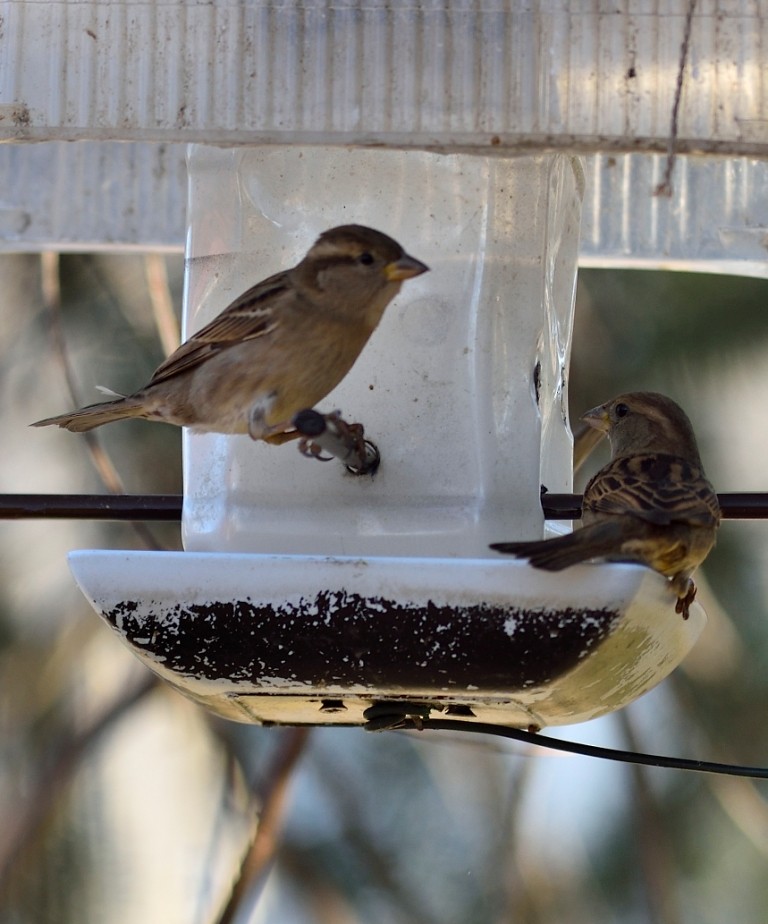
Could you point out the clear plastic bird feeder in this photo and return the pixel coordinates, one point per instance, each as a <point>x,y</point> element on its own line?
<point>473,134</point>
<point>467,358</point>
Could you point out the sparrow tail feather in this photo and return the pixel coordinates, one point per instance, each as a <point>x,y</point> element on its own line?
<point>95,415</point>
<point>593,541</point>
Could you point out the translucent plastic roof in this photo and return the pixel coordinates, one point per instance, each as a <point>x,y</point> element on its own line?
<point>595,78</point>
<point>584,74</point>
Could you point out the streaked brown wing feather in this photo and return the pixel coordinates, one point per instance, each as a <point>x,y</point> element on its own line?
<point>654,487</point>
<point>253,314</point>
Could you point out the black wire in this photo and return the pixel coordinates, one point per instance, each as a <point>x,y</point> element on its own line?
<point>587,750</point>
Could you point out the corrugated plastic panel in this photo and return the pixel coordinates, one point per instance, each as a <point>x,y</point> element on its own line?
<point>94,195</point>
<point>715,221</point>
<point>583,74</point>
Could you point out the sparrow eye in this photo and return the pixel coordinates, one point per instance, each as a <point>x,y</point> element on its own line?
<point>621,410</point>
<point>365,258</point>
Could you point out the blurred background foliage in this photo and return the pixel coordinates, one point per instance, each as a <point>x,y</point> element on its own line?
<point>122,802</point>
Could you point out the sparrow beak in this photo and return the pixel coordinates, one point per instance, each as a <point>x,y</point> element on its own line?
<point>598,418</point>
<point>404,268</point>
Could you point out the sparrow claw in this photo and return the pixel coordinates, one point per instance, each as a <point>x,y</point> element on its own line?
<point>342,440</point>
<point>352,433</point>
<point>684,603</point>
<point>311,450</point>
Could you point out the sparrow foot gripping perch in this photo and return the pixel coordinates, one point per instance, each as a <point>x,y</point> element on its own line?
<point>329,433</point>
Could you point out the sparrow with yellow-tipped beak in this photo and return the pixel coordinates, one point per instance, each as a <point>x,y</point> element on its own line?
<point>279,348</point>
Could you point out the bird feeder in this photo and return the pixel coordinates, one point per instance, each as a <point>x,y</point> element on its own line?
<point>482,137</point>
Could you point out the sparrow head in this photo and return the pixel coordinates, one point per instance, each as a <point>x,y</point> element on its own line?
<point>350,265</point>
<point>645,421</point>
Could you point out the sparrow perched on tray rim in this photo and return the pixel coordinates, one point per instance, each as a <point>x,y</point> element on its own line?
<point>651,504</point>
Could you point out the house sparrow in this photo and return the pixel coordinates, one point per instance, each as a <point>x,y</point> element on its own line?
<point>650,504</point>
<point>279,348</point>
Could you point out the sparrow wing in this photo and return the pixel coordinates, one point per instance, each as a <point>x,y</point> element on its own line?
<point>654,487</point>
<point>253,314</point>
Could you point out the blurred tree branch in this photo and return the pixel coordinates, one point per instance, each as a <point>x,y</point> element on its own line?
<point>51,286</point>
<point>653,840</point>
<point>271,800</point>
<point>162,303</point>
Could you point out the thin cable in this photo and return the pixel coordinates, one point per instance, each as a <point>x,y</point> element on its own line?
<point>588,750</point>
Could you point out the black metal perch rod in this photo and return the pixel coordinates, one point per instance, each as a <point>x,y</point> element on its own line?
<point>167,507</point>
